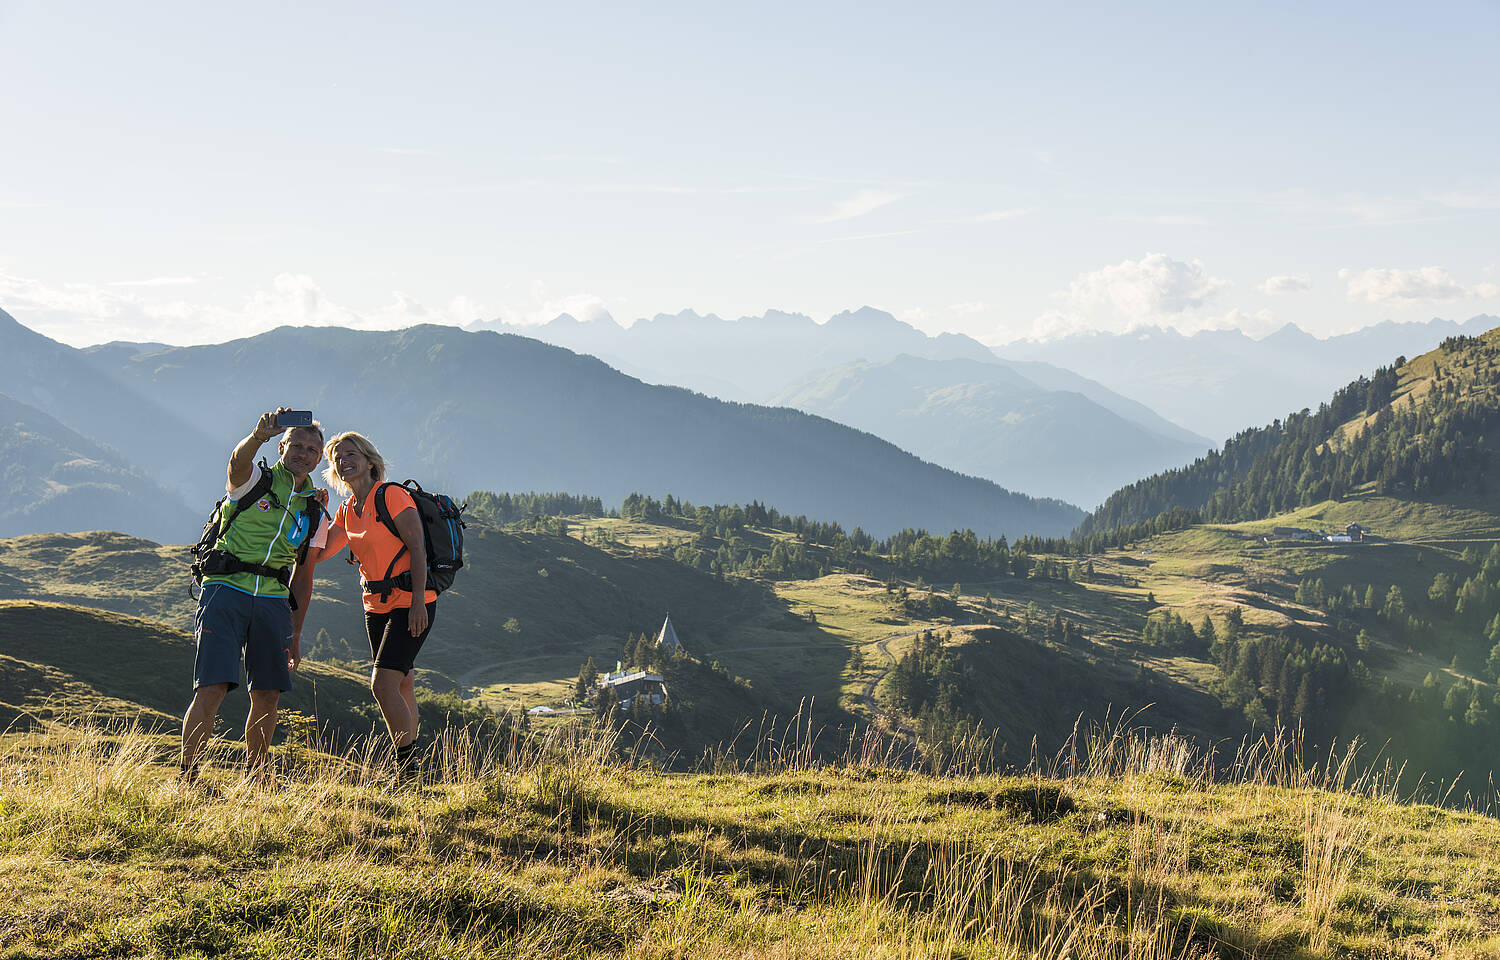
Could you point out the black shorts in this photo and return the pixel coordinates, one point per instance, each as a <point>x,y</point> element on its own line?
<point>391,643</point>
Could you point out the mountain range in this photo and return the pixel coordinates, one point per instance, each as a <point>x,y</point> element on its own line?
<point>1182,394</point>
<point>788,359</point>
<point>479,410</point>
<point>989,420</point>
<point>752,359</point>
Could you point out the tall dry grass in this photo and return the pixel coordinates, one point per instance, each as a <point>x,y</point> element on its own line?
<point>78,781</point>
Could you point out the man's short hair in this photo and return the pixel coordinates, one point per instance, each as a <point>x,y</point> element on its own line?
<point>315,427</point>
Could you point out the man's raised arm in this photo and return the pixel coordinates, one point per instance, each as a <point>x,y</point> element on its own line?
<point>242,460</point>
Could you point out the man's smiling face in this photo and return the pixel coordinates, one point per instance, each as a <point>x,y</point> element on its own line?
<point>301,451</point>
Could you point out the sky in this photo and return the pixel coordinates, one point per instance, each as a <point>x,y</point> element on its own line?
<point>189,173</point>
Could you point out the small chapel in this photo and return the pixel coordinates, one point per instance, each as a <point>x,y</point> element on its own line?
<point>667,639</point>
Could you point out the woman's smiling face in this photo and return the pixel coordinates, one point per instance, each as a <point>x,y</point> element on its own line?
<point>349,462</point>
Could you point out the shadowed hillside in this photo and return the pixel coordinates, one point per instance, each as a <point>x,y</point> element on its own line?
<point>56,479</point>
<point>68,661</point>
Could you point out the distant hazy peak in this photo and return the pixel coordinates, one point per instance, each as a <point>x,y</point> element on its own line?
<point>867,317</point>
<point>1288,333</point>
<point>568,320</point>
<point>780,318</point>
<point>684,317</point>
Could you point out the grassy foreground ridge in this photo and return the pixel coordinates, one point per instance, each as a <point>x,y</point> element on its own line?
<point>1128,845</point>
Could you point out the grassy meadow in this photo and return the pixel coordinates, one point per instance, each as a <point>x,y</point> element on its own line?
<point>1124,846</point>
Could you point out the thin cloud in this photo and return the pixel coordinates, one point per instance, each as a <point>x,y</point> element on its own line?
<point>1467,199</point>
<point>866,201</point>
<point>1155,290</point>
<point>1285,283</point>
<point>781,189</point>
<point>672,189</point>
<point>874,236</point>
<point>1166,220</point>
<point>997,215</point>
<point>675,188</point>
<point>1387,285</point>
<point>967,309</point>
<point>158,282</point>
<point>1150,287</point>
<point>993,216</point>
<point>81,314</point>
<point>408,151</point>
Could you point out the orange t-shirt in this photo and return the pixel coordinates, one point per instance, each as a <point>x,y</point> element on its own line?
<point>373,545</point>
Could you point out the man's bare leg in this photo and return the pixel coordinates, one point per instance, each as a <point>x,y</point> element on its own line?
<point>198,723</point>
<point>260,727</point>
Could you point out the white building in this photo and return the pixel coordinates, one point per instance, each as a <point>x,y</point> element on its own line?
<point>638,683</point>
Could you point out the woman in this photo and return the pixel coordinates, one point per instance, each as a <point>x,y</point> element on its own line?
<point>396,626</point>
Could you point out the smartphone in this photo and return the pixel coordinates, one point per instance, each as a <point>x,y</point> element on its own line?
<point>294,418</point>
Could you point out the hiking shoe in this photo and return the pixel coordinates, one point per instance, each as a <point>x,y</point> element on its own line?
<point>409,758</point>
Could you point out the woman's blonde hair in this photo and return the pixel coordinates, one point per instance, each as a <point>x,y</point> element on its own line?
<point>365,447</point>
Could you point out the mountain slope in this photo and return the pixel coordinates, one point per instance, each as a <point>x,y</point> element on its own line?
<point>1216,381</point>
<point>485,411</point>
<point>1054,378</point>
<point>90,399</point>
<point>1425,428</point>
<point>56,479</point>
<point>988,420</point>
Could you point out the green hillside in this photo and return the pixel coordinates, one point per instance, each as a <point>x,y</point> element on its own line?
<point>1415,430</point>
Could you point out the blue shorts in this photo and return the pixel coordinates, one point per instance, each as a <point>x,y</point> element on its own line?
<point>231,620</point>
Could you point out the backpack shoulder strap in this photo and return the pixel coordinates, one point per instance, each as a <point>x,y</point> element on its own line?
<point>382,512</point>
<point>384,516</point>
<point>314,510</point>
<point>260,489</point>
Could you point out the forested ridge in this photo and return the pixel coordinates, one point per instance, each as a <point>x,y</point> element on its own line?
<point>1404,440</point>
<point>722,539</point>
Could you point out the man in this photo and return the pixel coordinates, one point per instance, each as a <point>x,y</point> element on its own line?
<point>255,593</point>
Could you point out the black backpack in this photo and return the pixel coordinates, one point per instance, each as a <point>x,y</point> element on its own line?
<point>208,561</point>
<point>442,535</point>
